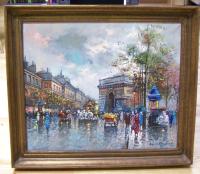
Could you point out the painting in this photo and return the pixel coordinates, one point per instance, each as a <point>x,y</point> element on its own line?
<point>101,86</point>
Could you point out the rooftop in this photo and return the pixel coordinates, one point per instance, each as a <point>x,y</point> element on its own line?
<point>116,79</point>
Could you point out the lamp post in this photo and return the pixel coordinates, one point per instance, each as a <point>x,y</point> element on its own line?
<point>134,99</point>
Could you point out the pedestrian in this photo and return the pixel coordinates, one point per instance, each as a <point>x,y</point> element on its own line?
<point>37,120</point>
<point>61,116</point>
<point>135,124</point>
<point>174,117</point>
<point>127,119</point>
<point>40,118</point>
<point>141,119</point>
<point>47,121</point>
<point>35,125</point>
<point>121,115</point>
<point>37,116</point>
<point>55,119</point>
<point>51,116</point>
<point>170,119</point>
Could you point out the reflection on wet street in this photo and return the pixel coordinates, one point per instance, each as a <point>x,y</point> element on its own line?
<point>77,135</point>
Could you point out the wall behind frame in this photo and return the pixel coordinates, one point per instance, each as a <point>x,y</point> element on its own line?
<point>4,126</point>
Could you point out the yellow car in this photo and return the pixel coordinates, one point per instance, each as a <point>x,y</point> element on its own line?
<point>110,119</point>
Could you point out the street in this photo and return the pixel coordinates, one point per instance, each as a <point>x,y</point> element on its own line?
<point>92,135</point>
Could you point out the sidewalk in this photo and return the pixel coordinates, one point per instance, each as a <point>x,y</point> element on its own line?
<point>6,169</point>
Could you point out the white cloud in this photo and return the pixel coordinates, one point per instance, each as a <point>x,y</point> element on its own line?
<point>87,81</point>
<point>103,44</point>
<point>93,49</point>
<point>110,32</point>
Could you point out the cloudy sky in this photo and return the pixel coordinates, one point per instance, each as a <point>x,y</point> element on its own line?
<point>84,51</point>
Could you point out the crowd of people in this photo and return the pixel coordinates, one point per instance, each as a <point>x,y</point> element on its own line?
<point>133,121</point>
<point>44,117</point>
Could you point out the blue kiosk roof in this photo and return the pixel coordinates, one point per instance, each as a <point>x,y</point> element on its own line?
<point>154,94</point>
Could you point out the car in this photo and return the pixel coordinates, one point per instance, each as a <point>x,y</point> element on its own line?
<point>110,119</point>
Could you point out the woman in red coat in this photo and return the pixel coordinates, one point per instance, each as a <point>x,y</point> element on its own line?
<point>136,124</point>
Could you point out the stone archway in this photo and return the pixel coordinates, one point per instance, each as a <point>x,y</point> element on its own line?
<point>111,102</point>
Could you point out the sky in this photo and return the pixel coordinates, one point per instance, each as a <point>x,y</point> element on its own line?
<point>85,51</point>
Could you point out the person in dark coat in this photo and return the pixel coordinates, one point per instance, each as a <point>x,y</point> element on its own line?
<point>40,118</point>
<point>170,115</point>
<point>47,121</point>
<point>136,124</point>
<point>127,119</point>
<point>141,119</point>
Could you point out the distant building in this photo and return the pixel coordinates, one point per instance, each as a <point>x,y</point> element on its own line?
<point>32,83</point>
<point>116,93</point>
<point>70,92</point>
<point>81,98</point>
<point>49,82</point>
<point>59,85</point>
<point>30,76</point>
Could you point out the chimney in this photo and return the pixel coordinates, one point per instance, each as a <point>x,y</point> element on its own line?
<point>32,67</point>
<point>25,63</point>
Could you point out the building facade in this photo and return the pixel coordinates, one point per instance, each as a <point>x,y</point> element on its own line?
<point>50,83</point>
<point>116,93</point>
<point>33,83</point>
<point>81,98</point>
<point>37,82</point>
<point>70,92</point>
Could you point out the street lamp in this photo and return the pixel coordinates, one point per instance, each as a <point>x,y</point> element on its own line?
<point>134,99</point>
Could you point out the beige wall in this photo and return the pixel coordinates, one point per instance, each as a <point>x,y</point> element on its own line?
<point>4,150</point>
<point>3,83</point>
<point>3,86</point>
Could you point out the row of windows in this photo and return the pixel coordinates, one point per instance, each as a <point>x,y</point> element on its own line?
<point>31,79</point>
<point>78,96</point>
<point>69,94</point>
<point>57,88</point>
<point>129,91</point>
<point>46,85</point>
<point>72,95</point>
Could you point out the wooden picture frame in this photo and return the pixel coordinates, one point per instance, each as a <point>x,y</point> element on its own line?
<point>182,155</point>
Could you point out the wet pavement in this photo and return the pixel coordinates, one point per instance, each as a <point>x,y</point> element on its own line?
<point>93,135</point>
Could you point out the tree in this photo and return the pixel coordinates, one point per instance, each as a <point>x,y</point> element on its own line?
<point>148,60</point>
<point>171,83</point>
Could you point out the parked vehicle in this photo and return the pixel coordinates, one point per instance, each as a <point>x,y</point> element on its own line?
<point>159,119</point>
<point>64,117</point>
<point>110,119</point>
